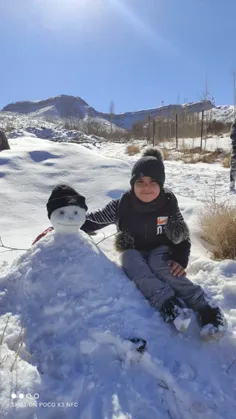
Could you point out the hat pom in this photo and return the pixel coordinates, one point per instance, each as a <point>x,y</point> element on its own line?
<point>153,152</point>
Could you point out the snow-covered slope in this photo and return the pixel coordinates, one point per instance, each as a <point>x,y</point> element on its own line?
<point>179,376</point>
<point>224,113</point>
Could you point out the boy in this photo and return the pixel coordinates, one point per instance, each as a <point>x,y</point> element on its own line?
<point>155,245</point>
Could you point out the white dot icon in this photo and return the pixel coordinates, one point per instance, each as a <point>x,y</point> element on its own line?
<point>28,396</point>
<point>61,293</point>
<point>21,396</point>
<point>36,396</point>
<point>13,396</point>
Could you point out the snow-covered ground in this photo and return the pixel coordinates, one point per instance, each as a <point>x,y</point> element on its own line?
<point>100,375</point>
<point>52,128</point>
<point>208,144</point>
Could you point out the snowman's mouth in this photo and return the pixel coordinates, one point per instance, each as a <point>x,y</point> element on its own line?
<point>68,225</point>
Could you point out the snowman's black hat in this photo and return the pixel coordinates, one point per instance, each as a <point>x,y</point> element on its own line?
<point>64,196</point>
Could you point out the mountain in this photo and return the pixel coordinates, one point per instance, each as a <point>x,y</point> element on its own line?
<point>65,106</point>
<point>127,119</point>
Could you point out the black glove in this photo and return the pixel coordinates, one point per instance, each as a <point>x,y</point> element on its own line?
<point>124,241</point>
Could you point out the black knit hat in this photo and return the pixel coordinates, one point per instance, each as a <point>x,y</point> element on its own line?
<point>64,196</point>
<point>150,164</point>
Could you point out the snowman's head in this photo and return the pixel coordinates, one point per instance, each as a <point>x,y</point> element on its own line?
<point>66,209</point>
<point>68,219</point>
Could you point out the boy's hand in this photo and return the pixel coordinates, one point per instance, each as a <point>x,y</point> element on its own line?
<point>176,268</point>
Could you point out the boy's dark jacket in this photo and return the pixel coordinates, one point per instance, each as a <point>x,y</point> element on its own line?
<point>233,133</point>
<point>145,226</point>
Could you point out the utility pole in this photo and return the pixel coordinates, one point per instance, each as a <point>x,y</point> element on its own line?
<point>202,127</point>
<point>176,132</point>
<point>149,128</point>
<point>234,78</point>
<point>112,106</point>
<point>153,131</point>
<point>206,94</point>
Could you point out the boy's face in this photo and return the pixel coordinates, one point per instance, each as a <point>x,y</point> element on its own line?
<point>146,189</point>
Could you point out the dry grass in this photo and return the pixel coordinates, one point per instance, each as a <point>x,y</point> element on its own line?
<point>226,161</point>
<point>196,155</point>
<point>210,157</point>
<point>218,229</point>
<point>131,150</point>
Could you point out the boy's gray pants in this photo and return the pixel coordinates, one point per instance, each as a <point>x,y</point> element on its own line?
<point>233,164</point>
<point>151,273</point>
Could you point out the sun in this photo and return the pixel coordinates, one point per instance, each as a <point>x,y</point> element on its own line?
<point>59,13</point>
<point>68,4</point>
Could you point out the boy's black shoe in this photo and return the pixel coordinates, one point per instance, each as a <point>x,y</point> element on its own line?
<point>213,323</point>
<point>171,309</point>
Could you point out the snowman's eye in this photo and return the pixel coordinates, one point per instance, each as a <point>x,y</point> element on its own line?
<point>61,212</point>
<point>76,212</point>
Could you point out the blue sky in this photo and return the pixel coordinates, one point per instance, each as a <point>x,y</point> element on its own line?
<point>137,53</point>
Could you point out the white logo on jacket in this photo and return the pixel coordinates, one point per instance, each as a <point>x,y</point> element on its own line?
<point>161,222</point>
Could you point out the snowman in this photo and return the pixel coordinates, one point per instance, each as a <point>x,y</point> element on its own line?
<point>60,280</point>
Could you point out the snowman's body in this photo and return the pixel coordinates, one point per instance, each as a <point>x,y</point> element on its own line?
<point>62,285</point>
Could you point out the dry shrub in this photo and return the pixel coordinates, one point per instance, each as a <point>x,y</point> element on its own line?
<point>194,150</point>
<point>9,127</point>
<point>197,155</point>
<point>218,229</point>
<point>131,150</point>
<point>211,157</point>
<point>226,160</point>
<point>189,158</point>
<point>166,153</point>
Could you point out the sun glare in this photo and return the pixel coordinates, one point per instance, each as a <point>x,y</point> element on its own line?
<point>58,13</point>
<point>67,5</point>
